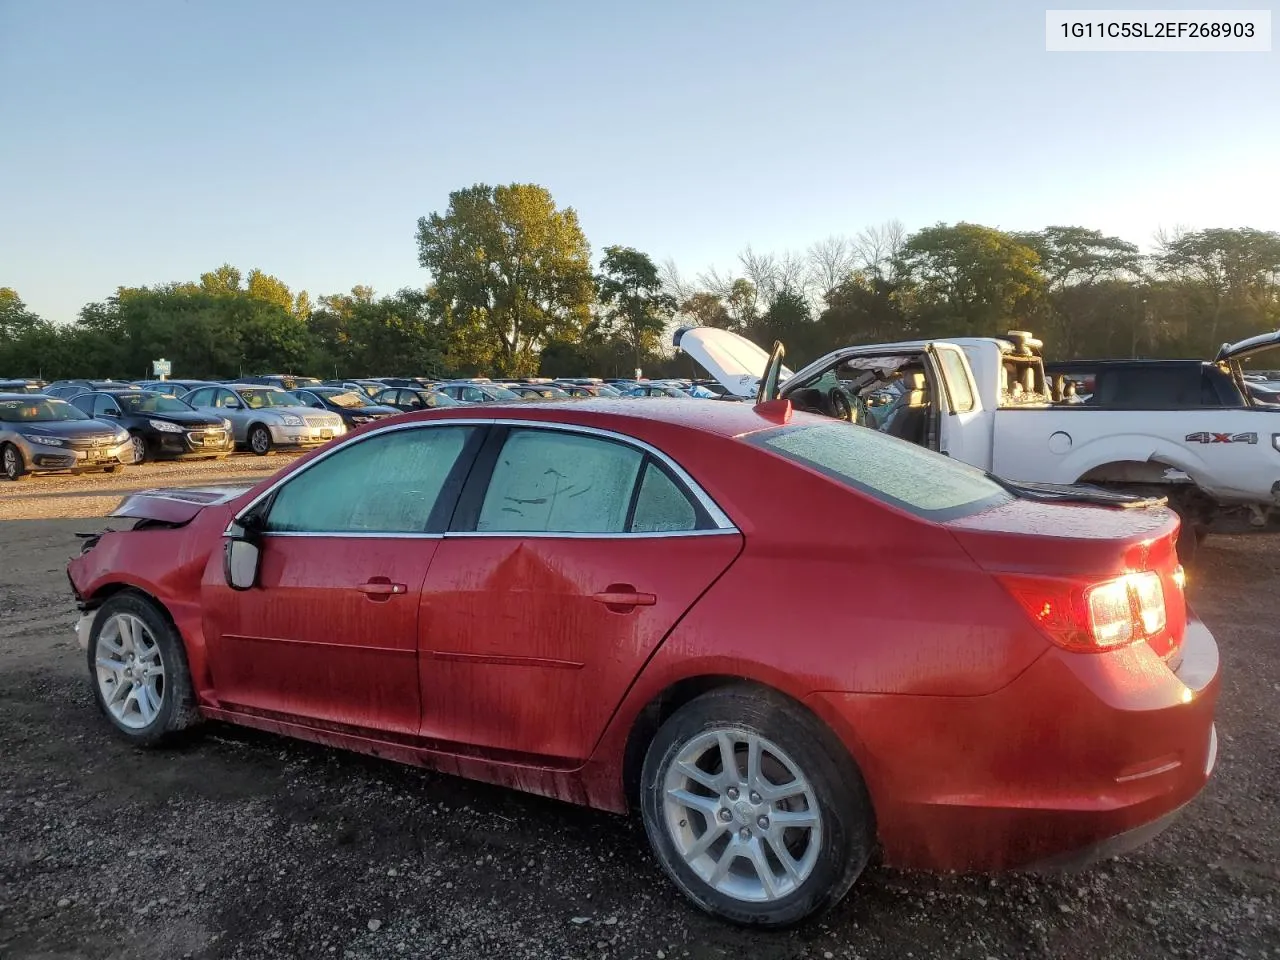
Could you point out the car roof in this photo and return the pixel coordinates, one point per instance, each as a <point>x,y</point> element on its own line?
<point>723,418</point>
<point>26,396</point>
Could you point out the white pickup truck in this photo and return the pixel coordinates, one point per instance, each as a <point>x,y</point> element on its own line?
<point>988,402</point>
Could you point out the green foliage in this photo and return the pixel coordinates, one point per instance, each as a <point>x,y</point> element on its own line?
<point>511,271</point>
<point>970,280</point>
<point>512,292</point>
<point>636,308</point>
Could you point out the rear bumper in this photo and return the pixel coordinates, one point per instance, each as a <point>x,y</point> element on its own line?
<point>1082,755</point>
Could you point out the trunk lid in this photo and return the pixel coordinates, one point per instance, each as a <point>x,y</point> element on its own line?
<point>176,506</point>
<point>734,361</point>
<point>1038,539</point>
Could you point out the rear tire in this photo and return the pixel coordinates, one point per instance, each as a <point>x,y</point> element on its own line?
<point>260,440</point>
<point>719,832</point>
<point>11,462</point>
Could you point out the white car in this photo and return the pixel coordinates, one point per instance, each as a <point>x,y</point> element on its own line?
<point>986,401</point>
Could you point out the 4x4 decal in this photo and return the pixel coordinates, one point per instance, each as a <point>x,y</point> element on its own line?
<point>1222,438</point>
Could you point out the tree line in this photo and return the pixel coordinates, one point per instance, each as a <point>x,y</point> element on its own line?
<point>513,289</point>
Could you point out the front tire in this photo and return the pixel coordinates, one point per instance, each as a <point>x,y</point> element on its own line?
<point>139,448</point>
<point>138,665</point>
<point>11,462</point>
<point>754,808</point>
<point>260,440</point>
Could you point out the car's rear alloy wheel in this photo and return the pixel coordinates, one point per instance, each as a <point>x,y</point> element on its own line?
<point>754,808</point>
<point>11,460</point>
<point>139,668</point>
<point>139,448</point>
<point>260,440</point>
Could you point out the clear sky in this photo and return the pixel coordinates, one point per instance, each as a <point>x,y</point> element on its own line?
<point>143,141</point>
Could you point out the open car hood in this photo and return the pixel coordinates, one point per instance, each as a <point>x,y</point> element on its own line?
<point>1246,348</point>
<point>175,506</point>
<point>734,361</point>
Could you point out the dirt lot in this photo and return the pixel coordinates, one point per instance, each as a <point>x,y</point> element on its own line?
<point>247,845</point>
<point>94,494</point>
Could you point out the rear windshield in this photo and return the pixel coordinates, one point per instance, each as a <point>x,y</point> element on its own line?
<point>899,473</point>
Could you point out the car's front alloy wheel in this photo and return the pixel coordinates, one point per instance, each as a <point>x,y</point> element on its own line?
<point>139,448</point>
<point>139,669</point>
<point>260,440</point>
<point>11,460</point>
<point>754,808</point>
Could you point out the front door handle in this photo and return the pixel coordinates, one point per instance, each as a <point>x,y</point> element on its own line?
<point>381,588</point>
<point>623,598</point>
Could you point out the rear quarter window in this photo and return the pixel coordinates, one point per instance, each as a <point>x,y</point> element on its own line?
<point>895,472</point>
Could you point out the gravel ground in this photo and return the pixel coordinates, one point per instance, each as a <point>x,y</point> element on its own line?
<point>54,495</point>
<point>241,845</point>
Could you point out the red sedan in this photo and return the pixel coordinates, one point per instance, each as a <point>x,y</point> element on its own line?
<point>787,640</point>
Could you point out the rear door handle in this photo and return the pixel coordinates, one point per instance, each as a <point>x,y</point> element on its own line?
<point>623,598</point>
<point>381,588</point>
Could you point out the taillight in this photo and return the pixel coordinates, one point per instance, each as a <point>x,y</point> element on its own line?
<point>1089,617</point>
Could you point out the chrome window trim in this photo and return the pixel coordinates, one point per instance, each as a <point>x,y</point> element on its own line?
<point>554,535</point>
<point>721,520</point>
<point>353,535</point>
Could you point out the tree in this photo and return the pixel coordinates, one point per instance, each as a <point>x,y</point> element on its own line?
<point>225,280</point>
<point>1084,272</point>
<point>1228,281</point>
<point>970,279</point>
<point>635,305</point>
<point>864,309</point>
<point>707,310</point>
<point>269,289</point>
<point>507,260</point>
<point>15,318</point>
<point>831,261</point>
<point>788,319</point>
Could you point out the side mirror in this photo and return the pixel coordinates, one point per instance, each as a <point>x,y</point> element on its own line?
<point>241,558</point>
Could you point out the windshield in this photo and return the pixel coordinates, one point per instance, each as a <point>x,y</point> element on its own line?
<point>151,403</point>
<point>604,390</point>
<point>431,399</point>
<point>902,474</point>
<point>256,399</point>
<point>343,398</point>
<point>501,393</point>
<point>38,411</point>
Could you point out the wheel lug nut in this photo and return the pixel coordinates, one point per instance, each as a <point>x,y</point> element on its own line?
<point>764,823</point>
<point>755,797</point>
<point>726,816</point>
<point>733,793</point>
<point>744,834</point>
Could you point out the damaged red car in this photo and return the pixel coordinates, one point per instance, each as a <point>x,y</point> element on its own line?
<point>791,643</point>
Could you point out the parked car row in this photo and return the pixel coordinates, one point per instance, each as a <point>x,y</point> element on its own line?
<point>88,425</point>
